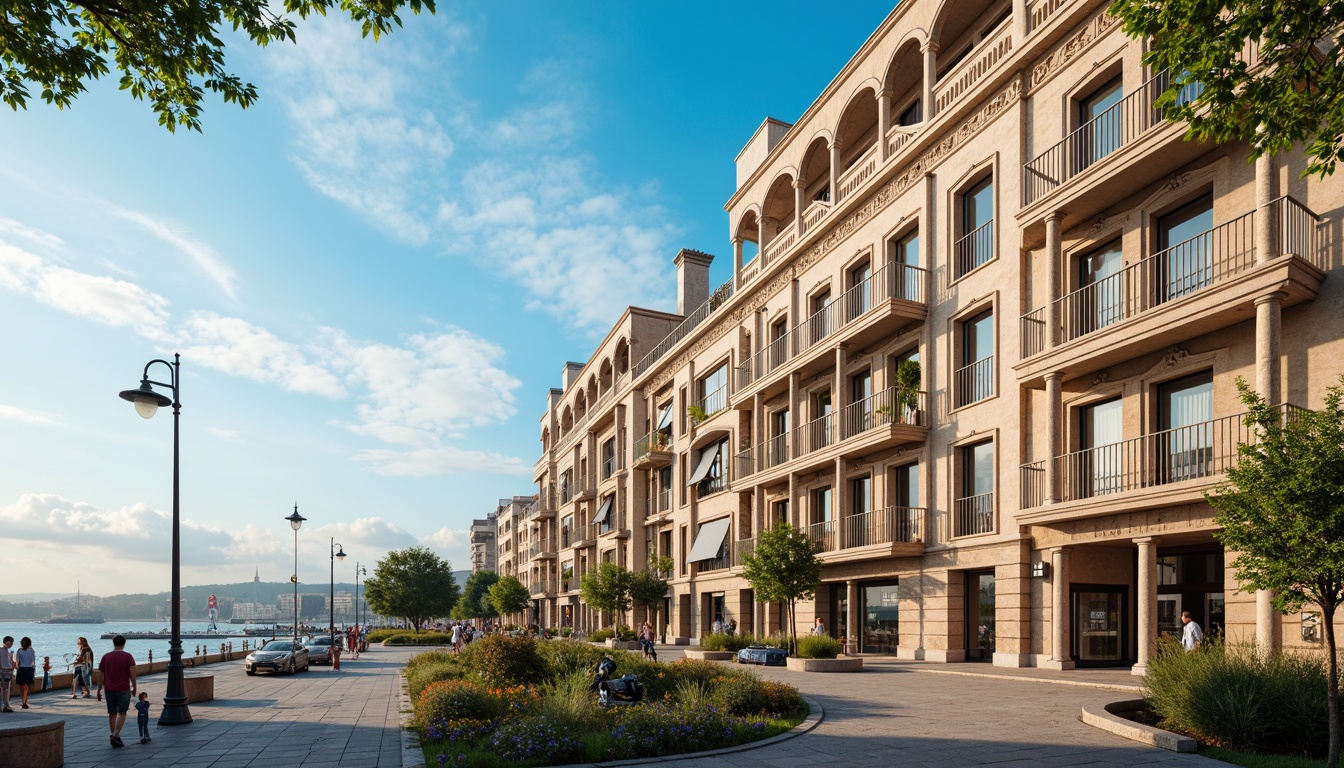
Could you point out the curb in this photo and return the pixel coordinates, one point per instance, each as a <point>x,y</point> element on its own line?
<point>1106,717</point>
<point>412,756</point>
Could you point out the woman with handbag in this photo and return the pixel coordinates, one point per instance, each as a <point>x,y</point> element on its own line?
<point>82,679</point>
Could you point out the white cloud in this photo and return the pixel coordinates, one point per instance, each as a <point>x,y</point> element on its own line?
<point>223,434</point>
<point>367,533</point>
<point>441,459</point>
<point>24,415</point>
<point>31,234</point>
<point>525,204</point>
<point>237,347</point>
<point>102,299</point>
<point>202,254</point>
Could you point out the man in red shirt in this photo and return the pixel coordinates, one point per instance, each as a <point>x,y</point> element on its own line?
<point>118,668</point>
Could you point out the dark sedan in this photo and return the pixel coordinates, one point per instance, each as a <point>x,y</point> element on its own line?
<point>277,656</point>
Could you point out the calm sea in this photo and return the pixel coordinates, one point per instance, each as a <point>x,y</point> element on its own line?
<point>58,640</point>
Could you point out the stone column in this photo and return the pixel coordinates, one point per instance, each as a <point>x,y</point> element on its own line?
<point>835,172</point>
<point>883,121</point>
<point>1147,599</point>
<point>1059,610</point>
<point>1054,407</point>
<point>1021,23</point>
<point>930,51</point>
<point>1054,249</point>
<point>853,619</point>
<point>1266,210</point>
<point>798,190</point>
<point>1268,317</point>
<point>737,262</point>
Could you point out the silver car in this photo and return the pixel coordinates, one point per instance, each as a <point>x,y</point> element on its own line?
<point>277,656</point>
<point>319,649</point>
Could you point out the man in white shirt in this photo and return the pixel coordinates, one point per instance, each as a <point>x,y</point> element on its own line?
<point>1192,635</point>
<point>6,672</point>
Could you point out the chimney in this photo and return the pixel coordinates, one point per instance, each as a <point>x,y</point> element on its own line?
<point>570,374</point>
<point>692,279</point>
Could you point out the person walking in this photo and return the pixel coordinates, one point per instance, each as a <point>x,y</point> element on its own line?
<point>457,638</point>
<point>142,717</point>
<point>819,629</point>
<point>118,668</point>
<point>6,672</point>
<point>83,677</point>
<point>335,653</point>
<point>25,662</point>
<point>1191,635</point>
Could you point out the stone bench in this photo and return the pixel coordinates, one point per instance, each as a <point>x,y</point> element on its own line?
<point>28,744</point>
<point>200,688</point>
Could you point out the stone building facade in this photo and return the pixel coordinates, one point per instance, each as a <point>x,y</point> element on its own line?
<point>981,342</point>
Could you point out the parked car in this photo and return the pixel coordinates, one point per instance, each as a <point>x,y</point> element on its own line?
<point>319,648</point>
<point>764,655</point>
<point>277,656</point>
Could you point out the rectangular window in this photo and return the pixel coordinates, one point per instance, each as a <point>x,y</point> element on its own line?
<point>975,507</point>
<point>778,351</point>
<point>822,529</point>
<point>907,485</point>
<point>861,495</point>
<point>1185,249</point>
<point>1099,466</point>
<point>781,511</point>
<point>905,278</point>
<point>1099,124</point>
<point>777,450</point>
<point>1099,300</point>
<point>975,377</point>
<point>608,458</point>
<point>859,296</point>
<point>819,324</point>
<point>975,244</point>
<point>713,392</point>
<point>858,415</point>
<point>1185,418</point>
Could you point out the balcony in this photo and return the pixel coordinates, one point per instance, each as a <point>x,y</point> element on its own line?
<point>578,536</point>
<point>1040,11</point>
<point>1206,283</point>
<point>859,315</point>
<point>542,465</point>
<point>718,298</point>
<point>897,531</point>
<point>979,63</point>
<point>742,549</point>
<point>974,382</point>
<point>778,246</point>
<point>653,450</point>
<point>973,515</point>
<point>887,417</point>
<point>1171,466</point>
<point>710,405</point>
<point>973,249</point>
<point>712,485</point>
<point>814,213</point>
<point>900,135</point>
<point>614,524</point>
<point>542,586</point>
<point>855,175</point>
<point>541,549</point>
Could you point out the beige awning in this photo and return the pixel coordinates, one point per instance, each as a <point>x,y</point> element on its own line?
<point>707,457</point>
<point>709,540</point>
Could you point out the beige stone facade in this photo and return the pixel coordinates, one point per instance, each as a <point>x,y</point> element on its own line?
<point>985,198</point>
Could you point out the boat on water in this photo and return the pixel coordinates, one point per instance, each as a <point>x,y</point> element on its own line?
<point>79,613</point>
<point>164,634</point>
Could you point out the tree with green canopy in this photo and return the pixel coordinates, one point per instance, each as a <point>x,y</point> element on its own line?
<point>168,54</point>
<point>648,588</point>
<point>784,568</point>
<point>474,603</point>
<point>606,588</point>
<point>508,596</point>
<point>1281,509</point>
<point>412,583</point>
<point>1265,73</point>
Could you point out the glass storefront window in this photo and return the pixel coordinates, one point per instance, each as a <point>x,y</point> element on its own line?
<point>1190,581</point>
<point>881,628</point>
<point>980,616</point>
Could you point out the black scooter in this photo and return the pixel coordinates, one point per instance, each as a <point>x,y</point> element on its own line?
<point>621,691</point>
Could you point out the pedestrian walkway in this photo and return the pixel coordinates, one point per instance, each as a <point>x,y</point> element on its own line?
<point>345,719</point>
<point>894,713</point>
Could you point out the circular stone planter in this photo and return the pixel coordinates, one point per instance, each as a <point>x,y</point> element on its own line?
<point>1109,718</point>
<point>847,664</point>
<point>709,655</point>
<point>623,645</point>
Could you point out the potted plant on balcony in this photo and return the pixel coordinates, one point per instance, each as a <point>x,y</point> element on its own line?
<point>696,414</point>
<point>906,397</point>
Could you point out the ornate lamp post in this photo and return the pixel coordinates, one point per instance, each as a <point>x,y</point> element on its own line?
<point>337,553</point>
<point>147,402</point>
<point>359,571</point>
<point>296,522</point>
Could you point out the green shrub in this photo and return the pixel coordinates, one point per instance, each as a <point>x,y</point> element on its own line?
<point>817,647</point>
<point>624,633</point>
<point>662,729</point>
<point>423,638</point>
<point>602,635</point>
<point>421,676</point>
<point>722,642</point>
<point>536,737</point>
<point>565,656</point>
<point>566,631</point>
<point>451,700</point>
<point>779,698</point>
<point>379,635</point>
<point>501,660</point>
<point>568,701</point>
<point>1240,697</point>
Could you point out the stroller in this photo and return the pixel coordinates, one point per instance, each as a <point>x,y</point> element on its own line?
<point>621,691</point>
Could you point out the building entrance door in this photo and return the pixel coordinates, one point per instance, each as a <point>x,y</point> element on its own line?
<point>979,615</point>
<point>1100,637</point>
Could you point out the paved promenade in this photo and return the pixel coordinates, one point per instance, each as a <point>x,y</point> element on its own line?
<point>895,713</point>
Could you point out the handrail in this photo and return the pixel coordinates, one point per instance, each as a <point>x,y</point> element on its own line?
<point>968,72</point>
<point>973,248</point>
<point>855,175</point>
<point>973,515</point>
<point>883,526</point>
<point>711,404</point>
<point>900,135</point>
<point>815,212</point>
<point>975,382</point>
<point>883,409</point>
<point>717,298</point>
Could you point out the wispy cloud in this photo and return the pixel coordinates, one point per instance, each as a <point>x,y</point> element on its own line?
<point>508,189</point>
<point>33,235</point>
<point>24,415</point>
<point>200,253</point>
<point>102,299</point>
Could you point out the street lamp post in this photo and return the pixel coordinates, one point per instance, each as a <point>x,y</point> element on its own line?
<point>359,571</point>
<point>337,553</point>
<point>296,522</point>
<point>147,402</point>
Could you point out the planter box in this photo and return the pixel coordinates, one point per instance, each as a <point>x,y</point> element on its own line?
<point>710,655</point>
<point>846,664</point>
<point>624,645</point>
<point>33,745</point>
<point>200,688</point>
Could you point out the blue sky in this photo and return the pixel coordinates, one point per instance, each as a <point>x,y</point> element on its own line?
<point>373,275</point>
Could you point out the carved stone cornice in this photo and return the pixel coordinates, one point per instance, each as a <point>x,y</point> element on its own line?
<point>1054,61</point>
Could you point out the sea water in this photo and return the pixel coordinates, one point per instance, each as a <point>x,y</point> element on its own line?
<point>60,641</point>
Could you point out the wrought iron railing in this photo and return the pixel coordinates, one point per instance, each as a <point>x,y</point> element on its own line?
<point>1031,478</point>
<point>975,382</point>
<point>973,514</point>
<point>718,298</point>
<point>974,248</point>
<point>883,526</point>
<point>883,409</point>
<point>1033,332</point>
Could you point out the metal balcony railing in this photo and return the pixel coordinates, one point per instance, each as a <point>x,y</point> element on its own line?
<point>883,409</point>
<point>742,549</point>
<point>663,501</point>
<point>823,535</point>
<point>975,382</point>
<point>712,485</point>
<point>1031,478</point>
<point>973,514</point>
<point>653,441</point>
<point>974,248</point>
<point>1033,332</point>
<point>882,526</point>
<point>718,298</point>
<point>710,405</point>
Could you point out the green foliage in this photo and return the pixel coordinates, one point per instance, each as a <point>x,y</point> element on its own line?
<point>817,647</point>
<point>508,596</point>
<point>647,588</point>
<point>1240,697</point>
<point>413,583</point>
<point>784,568</point>
<point>725,642</point>
<point>601,635</point>
<point>521,739</point>
<point>474,603</point>
<point>1282,511</point>
<point>1248,760</point>
<point>430,668</point>
<point>907,385</point>
<point>501,660</point>
<point>606,588</point>
<point>379,635</point>
<point>567,700</point>
<point>468,699</point>
<point>566,656</point>
<point>418,638</point>
<point>1291,91</point>
<point>168,54</point>
<point>696,414</point>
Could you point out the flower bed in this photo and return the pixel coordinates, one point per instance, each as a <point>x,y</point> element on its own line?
<point>520,702</point>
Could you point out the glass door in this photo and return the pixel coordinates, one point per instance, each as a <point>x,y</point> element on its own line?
<point>980,616</point>
<point>1099,632</point>
<point>881,630</point>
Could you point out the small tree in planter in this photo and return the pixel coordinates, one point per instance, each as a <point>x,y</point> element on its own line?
<point>607,589</point>
<point>784,568</point>
<point>907,390</point>
<point>648,587</point>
